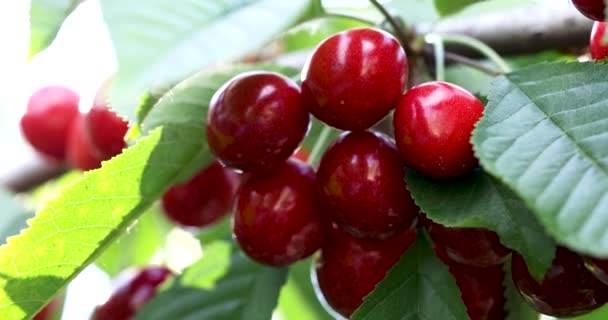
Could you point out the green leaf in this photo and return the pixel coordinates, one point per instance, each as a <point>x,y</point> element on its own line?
<point>137,245</point>
<point>298,300</point>
<point>13,216</point>
<point>311,33</point>
<point>414,11</point>
<point>420,286</point>
<point>448,7</point>
<point>159,42</point>
<point>478,200</point>
<point>599,314</point>
<point>72,230</point>
<point>515,306</point>
<point>224,284</point>
<point>544,133</point>
<point>46,17</point>
<point>222,230</point>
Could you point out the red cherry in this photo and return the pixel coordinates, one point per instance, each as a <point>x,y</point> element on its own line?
<point>136,289</point>
<point>433,125</point>
<point>355,78</point>
<point>469,246</point>
<point>599,268</point>
<point>592,9</point>
<point>481,289</point>
<point>277,220</point>
<point>567,290</point>
<point>256,121</point>
<point>81,153</point>
<point>48,118</point>
<point>361,184</point>
<point>350,268</point>
<point>202,200</point>
<point>106,131</point>
<point>596,48</point>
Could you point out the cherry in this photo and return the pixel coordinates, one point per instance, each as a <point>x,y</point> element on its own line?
<point>137,288</point>
<point>81,153</point>
<point>256,121</point>
<point>277,220</point>
<point>592,9</point>
<point>433,125</point>
<point>106,131</point>
<point>481,289</point>
<point>599,268</point>
<point>469,246</point>
<point>596,48</point>
<point>355,78</point>
<point>567,290</point>
<point>361,184</point>
<point>350,268</point>
<point>203,199</point>
<point>48,118</point>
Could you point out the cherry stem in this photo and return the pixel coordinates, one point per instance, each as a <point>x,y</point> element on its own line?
<point>317,149</point>
<point>439,55</point>
<point>346,16</point>
<point>393,22</point>
<point>481,47</point>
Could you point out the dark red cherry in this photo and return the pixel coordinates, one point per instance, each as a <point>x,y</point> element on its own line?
<point>592,9</point>
<point>136,288</point>
<point>599,268</point>
<point>350,268</point>
<point>361,184</point>
<point>277,220</point>
<point>469,246</point>
<point>204,199</point>
<point>48,118</point>
<point>81,153</point>
<point>596,48</point>
<point>355,78</point>
<point>256,121</point>
<point>567,290</point>
<point>481,288</point>
<point>106,131</point>
<point>433,125</point>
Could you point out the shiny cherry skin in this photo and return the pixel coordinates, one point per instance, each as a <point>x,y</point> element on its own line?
<point>106,131</point>
<point>355,78</point>
<point>256,121</point>
<point>567,290</point>
<point>481,289</point>
<point>469,246</point>
<point>599,268</point>
<point>597,50</point>
<point>48,119</point>
<point>361,184</point>
<point>350,268</point>
<point>433,125</point>
<point>202,200</point>
<point>592,9</point>
<point>277,220</point>
<point>137,288</point>
<point>81,153</point>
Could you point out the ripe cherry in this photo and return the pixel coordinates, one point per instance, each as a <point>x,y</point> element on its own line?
<point>350,268</point>
<point>106,131</point>
<point>137,288</point>
<point>596,48</point>
<point>481,289</point>
<point>81,153</point>
<point>204,199</point>
<point>433,125</point>
<point>48,118</point>
<point>599,268</point>
<point>277,220</point>
<point>567,290</point>
<point>361,184</point>
<point>355,78</point>
<point>469,246</point>
<point>256,121</point>
<point>592,9</point>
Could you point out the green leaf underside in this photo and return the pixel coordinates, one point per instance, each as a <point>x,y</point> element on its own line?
<point>478,200</point>
<point>46,17</point>
<point>545,134</point>
<point>72,230</point>
<point>448,7</point>
<point>224,284</point>
<point>159,42</point>
<point>418,287</point>
<point>298,300</point>
<point>515,306</point>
